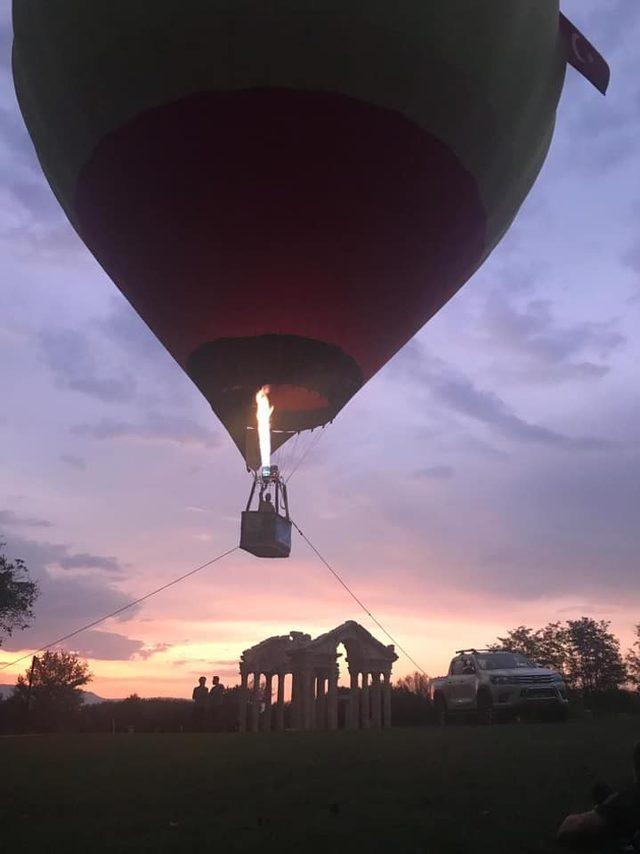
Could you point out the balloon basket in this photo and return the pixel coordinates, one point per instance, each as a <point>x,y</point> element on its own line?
<point>265,534</point>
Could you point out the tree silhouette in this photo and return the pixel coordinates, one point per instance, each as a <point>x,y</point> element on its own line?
<point>415,683</point>
<point>584,651</point>
<point>593,656</point>
<point>633,660</point>
<point>50,691</point>
<point>524,640</point>
<point>17,595</point>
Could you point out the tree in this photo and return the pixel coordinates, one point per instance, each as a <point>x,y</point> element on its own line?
<point>583,650</point>
<point>633,660</point>
<point>17,595</point>
<point>546,646</point>
<point>552,647</point>
<point>410,701</point>
<point>415,683</point>
<point>594,662</point>
<point>49,692</point>
<point>523,639</point>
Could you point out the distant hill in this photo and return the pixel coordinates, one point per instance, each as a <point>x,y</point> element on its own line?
<point>89,697</point>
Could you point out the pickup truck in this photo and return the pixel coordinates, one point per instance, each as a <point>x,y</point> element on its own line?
<point>488,683</point>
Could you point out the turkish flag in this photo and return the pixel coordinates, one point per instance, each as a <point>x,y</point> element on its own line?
<point>584,57</point>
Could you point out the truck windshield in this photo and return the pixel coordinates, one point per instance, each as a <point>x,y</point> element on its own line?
<point>502,661</point>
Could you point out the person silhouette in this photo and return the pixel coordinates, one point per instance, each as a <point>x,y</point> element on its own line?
<point>216,697</point>
<point>266,504</point>
<point>200,697</point>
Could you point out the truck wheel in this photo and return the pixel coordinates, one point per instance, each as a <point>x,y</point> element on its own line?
<point>440,708</point>
<point>485,708</point>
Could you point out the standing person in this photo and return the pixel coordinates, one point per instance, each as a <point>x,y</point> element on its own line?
<point>216,696</point>
<point>200,697</point>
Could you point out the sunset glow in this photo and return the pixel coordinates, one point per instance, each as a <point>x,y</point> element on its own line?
<point>487,477</point>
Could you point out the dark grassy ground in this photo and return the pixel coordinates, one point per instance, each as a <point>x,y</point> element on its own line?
<point>459,789</point>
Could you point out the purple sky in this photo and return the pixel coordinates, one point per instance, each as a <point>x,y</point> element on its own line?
<point>488,476</point>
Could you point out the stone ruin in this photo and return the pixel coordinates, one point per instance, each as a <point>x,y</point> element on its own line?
<point>312,665</point>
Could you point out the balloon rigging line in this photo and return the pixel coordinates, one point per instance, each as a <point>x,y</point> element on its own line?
<point>120,610</point>
<point>356,599</point>
<point>312,445</point>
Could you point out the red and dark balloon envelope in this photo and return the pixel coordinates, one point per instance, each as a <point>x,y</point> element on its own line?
<point>287,196</point>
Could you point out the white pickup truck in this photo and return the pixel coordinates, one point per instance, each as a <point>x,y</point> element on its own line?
<point>491,682</point>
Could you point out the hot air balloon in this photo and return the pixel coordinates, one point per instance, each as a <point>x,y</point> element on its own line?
<point>287,192</point>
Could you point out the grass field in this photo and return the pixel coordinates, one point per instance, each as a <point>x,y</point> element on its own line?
<point>459,789</point>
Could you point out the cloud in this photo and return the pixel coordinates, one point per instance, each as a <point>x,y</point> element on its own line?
<point>65,604</point>
<point>148,651</point>
<point>73,461</point>
<point>125,328</point>
<point>569,529</point>
<point>459,393</point>
<point>46,554</point>
<point>89,561</point>
<point>10,519</point>
<point>155,428</point>
<point>632,257</point>
<point>33,226</point>
<point>435,472</point>
<point>545,350</point>
<point>206,662</point>
<point>72,360</point>
<point>165,382</point>
<point>106,646</point>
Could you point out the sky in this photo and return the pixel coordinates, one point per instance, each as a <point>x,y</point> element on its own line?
<point>487,477</point>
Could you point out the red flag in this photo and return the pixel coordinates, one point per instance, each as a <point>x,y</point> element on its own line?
<point>584,57</point>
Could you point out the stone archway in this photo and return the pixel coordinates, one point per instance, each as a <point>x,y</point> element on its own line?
<point>313,665</point>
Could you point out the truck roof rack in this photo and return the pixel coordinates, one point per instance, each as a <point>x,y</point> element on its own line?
<point>463,651</point>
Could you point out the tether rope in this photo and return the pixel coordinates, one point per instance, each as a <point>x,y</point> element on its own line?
<point>120,610</point>
<point>191,572</point>
<point>358,600</point>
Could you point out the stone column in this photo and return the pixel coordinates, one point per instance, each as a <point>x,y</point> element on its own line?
<point>376,701</point>
<point>242,703</point>
<point>308,701</point>
<point>266,723</point>
<point>386,701</point>
<point>313,702</point>
<point>321,703</point>
<point>280,703</point>
<point>354,703</point>
<point>365,720</point>
<point>332,701</point>
<point>296,700</point>
<point>255,702</point>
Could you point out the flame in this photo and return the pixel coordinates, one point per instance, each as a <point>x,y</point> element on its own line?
<point>263,414</point>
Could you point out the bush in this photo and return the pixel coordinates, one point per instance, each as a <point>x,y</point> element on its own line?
<point>409,708</point>
<point>156,714</point>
